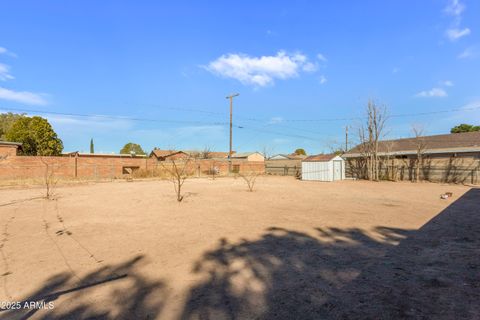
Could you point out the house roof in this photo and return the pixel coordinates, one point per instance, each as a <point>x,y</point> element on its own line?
<point>320,157</point>
<point>454,142</point>
<point>295,156</point>
<point>164,153</point>
<point>244,154</point>
<point>279,157</point>
<point>292,156</point>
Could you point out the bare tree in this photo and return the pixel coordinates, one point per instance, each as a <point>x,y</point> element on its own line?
<point>49,179</point>
<point>420,147</point>
<point>370,134</point>
<point>250,177</point>
<point>178,171</point>
<point>206,153</point>
<point>267,152</point>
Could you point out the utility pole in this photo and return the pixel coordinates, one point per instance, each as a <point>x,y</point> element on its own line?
<point>230,151</point>
<point>346,138</point>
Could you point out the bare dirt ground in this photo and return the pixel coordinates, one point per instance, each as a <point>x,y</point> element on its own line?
<point>289,250</point>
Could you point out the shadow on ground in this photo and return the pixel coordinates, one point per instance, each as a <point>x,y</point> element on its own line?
<point>138,298</point>
<point>434,273</point>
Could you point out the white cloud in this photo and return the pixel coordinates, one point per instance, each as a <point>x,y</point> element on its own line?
<point>323,79</point>
<point>395,70</point>
<point>5,72</point>
<point>446,83</point>
<point>22,97</point>
<point>310,67</point>
<point>321,57</point>
<point>260,71</point>
<point>454,8</point>
<point>455,33</point>
<point>5,51</point>
<point>468,53</point>
<point>72,123</point>
<point>433,93</point>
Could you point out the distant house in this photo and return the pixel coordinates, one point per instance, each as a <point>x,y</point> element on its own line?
<point>249,156</point>
<point>162,155</point>
<point>284,164</point>
<point>9,149</point>
<point>447,157</point>
<point>207,154</point>
<point>279,157</point>
<point>292,156</point>
<point>323,167</point>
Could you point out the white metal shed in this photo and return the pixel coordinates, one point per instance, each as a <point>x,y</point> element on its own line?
<point>323,167</point>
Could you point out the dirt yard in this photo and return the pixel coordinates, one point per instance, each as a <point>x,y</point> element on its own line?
<point>289,250</point>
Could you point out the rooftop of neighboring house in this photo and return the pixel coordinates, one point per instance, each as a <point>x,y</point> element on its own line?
<point>442,143</point>
<point>159,153</point>
<point>320,157</point>
<point>292,156</point>
<point>245,154</point>
<point>207,154</point>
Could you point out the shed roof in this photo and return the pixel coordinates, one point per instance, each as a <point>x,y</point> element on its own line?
<point>454,142</point>
<point>320,157</point>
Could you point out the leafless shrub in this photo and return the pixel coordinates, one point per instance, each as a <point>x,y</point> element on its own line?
<point>49,179</point>
<point>178,171</point>
<point>250,177</point>
<point>213,171</point>
<point>206,153</point>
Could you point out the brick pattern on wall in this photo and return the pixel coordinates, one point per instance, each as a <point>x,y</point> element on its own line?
<point>84,167</point>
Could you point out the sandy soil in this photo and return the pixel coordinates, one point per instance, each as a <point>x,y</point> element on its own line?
<point>290,249</point>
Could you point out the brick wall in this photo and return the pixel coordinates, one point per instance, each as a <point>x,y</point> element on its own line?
<point>104,167</point>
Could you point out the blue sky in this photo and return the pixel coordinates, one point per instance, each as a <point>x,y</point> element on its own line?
<point>174,62</point>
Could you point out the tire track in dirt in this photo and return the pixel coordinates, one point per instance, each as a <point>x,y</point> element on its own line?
<point>67,232</point>
<point>46,227</point>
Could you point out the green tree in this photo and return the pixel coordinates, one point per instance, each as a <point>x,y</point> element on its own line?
<point>132,148</point>
<point>36,135</point>
<point>464,128</point>
<point>300,151</point>
<point>92,147</point>
<point>6,122</point>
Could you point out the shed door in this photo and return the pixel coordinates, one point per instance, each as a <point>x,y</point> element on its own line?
<point>337,170</point>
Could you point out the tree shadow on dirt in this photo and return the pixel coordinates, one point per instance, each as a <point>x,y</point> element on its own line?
<point>433,274</point>
<point>346,274</point>
<point>130,295</point>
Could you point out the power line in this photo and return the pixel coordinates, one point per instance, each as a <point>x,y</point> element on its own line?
<point>152,120</point>
<point>114,117</point>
